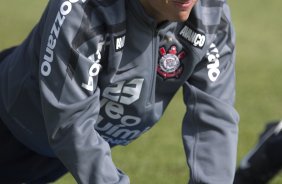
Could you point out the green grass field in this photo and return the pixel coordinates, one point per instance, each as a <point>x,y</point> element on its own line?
<point>158,157</point>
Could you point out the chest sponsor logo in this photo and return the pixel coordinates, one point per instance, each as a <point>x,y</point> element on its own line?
<point>213,62</point>
<point>124,92</point>
<point>116,124</point>
<point>194,37</point>
<point>170,63</point>
<point>119,42</point>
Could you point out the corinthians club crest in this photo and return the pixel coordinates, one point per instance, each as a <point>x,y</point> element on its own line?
<point>170,63</point>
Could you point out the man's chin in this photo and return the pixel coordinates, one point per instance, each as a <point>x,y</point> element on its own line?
<point>182,17</point>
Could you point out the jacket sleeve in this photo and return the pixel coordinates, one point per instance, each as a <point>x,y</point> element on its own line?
<point>210,125</point>
<point>70,95</point>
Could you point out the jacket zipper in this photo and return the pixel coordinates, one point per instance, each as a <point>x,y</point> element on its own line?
<point>154,64</point>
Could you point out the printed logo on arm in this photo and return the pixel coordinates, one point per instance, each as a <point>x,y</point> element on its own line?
<point>65,9</point>
<point>194,37</point>
<point>198,40</point>
<point>93,70</point>
<point>213,62</point>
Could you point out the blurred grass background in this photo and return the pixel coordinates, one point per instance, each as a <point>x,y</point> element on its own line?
<point>158,157</point>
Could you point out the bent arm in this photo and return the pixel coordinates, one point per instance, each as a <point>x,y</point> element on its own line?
<point>210,125</point>
<point>70,95</point>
